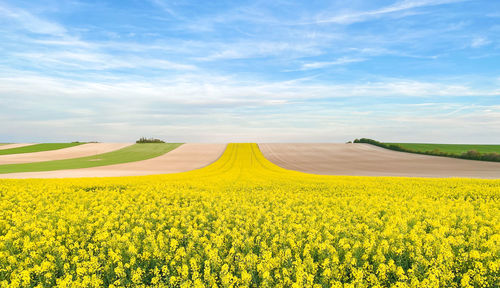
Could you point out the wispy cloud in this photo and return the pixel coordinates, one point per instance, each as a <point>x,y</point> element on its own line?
<point>248,70</point>
<point>218,90</point>
<point>165,6</point>
<point>253,49</point>
<point>479,42</point>
<point>400,6</point>
<point>339,61</point>
<point>31,22</point>
<point>98,61</point>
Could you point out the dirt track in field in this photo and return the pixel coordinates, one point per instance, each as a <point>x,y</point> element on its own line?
<point>78,151</point>
<point>186,157</point>
<point>369,160</point>
<point>16,145</point>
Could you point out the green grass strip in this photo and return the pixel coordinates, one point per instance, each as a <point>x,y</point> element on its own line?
<point>39,148</point>
<point>450,148</point>
<point>131,153</point>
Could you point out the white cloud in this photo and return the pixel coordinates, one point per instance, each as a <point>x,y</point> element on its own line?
<point>214,90</point>
<point>219,108</point>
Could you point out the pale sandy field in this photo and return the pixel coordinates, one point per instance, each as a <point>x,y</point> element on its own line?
<point>16,145</point>
<point>83,150</point>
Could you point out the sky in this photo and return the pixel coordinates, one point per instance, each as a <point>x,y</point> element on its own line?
<point>250,71</point>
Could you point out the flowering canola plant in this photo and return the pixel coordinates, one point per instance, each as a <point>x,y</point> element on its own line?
<point>245,222</point>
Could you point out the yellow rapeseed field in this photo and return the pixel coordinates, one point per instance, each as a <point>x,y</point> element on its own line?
<point>244,222</point>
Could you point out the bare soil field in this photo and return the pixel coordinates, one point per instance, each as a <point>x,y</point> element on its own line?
<point>16,145</point>
<point>369,160</point>
<point>187,157</point>
<point>83,150</point>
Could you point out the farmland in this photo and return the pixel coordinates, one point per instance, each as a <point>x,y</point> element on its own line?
<point>369,160</point>
<point>87,149</point>
<point>131,153</point>
<point>39,148</point>
<point>450,148</point>
<point>244,221</point>
<point>187,157</point>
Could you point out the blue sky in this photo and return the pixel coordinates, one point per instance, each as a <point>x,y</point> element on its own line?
<point>294,71</point>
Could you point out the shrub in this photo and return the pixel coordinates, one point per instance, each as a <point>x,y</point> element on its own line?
<point>491,157</point>
<point>472,154</point>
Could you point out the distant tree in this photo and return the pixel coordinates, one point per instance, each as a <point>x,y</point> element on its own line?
<point>149,140</point>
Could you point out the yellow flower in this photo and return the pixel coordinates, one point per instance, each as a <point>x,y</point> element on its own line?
<point>243,221</point>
